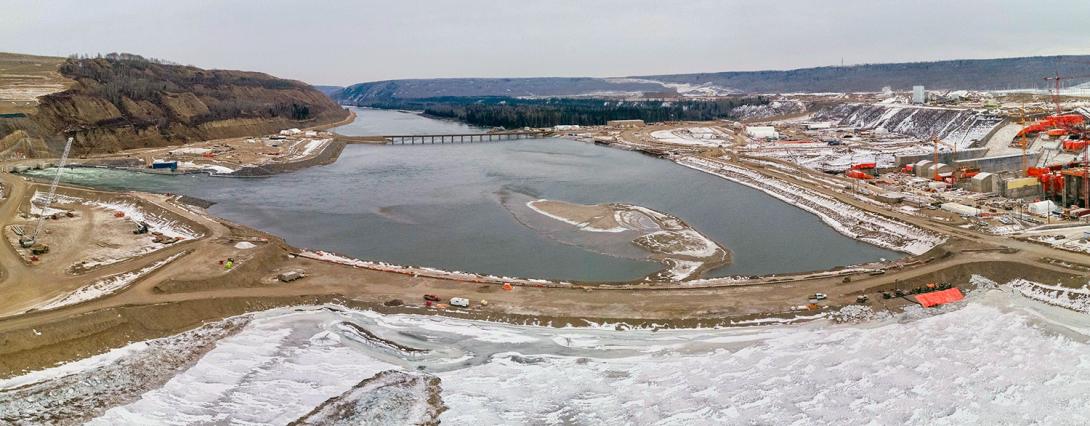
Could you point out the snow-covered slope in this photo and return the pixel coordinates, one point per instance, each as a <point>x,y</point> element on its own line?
<point>955,126</point>
<point>999,357</point>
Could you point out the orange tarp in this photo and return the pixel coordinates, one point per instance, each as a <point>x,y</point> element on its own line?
<point>939,297</point>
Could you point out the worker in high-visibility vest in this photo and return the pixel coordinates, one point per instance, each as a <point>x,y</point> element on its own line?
<point>229,264</point>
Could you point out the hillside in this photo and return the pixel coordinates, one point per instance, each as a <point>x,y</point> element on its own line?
<point>23,78</point>
<point>327,90</point>
<point>472,87</point>
<point>977,74</point>
<point>125,101</point>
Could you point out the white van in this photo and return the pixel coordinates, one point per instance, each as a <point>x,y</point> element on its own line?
<point>459,301</point>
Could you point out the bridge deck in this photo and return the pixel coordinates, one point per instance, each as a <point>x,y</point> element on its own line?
<point>443,138</point>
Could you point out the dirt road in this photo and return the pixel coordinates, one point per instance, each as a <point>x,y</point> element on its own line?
<point>196,287</point>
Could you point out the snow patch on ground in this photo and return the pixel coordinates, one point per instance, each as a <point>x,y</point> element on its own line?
<point>995,358</point>
<point>105,286</point>
<point>703,136</point>
<point>213,168</point>
<point>847,220</point>
<point>581,225</point>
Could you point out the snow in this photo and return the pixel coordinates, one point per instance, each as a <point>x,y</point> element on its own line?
<point>954,126</point>
<point>131,210</point>
<point>244,245</point>
<point>703,136</point>
<point>190,151</point>
<point>105,286</point>
<point>994,358</point>
<point>267,373</point>
<point>214,168</point>
<point>847,220</point>
<point>682,269</point>
<point>1076,299</point>
<point>426,271</point>
<point>581,225</point>
<point>977,364</point>
<point>307,148</point>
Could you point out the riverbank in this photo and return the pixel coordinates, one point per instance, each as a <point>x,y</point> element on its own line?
<point>195,287</point>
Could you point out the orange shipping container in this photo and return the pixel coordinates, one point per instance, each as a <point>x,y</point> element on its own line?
<point>856,174</point>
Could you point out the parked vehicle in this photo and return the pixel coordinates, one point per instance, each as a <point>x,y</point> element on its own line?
<point>459,301</point>
<point>820,296</point>
<point>431,297</point>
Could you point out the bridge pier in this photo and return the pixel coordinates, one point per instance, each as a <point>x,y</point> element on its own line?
<point>453,138</point>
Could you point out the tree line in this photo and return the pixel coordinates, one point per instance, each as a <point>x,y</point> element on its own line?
<point>508,112</point>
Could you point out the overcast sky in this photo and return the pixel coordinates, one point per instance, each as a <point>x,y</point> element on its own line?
<point>344,42</point>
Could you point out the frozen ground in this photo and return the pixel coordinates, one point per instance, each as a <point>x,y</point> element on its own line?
<point>662,237</point>
<point>105,286</point>
<point>1076,238</point>
<point>704,136</point>
<point>954,126</point>
<point>847,220</point>
<point>999,357</point>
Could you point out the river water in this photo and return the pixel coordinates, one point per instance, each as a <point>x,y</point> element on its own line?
<point>440,205</point>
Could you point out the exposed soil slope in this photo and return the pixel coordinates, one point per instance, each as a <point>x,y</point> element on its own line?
<point>125,101</point>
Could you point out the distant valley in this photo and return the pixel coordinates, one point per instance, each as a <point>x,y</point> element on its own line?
<point>974,74</point>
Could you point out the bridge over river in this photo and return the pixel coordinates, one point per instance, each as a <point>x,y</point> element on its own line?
<point>444,138</point>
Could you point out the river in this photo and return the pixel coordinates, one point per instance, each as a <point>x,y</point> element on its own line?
<point>440,205</point>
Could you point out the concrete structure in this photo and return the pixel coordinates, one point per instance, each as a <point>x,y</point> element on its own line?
<point>984,182</point>
<point>920,167</point>
<point>999,163</point>
<point>625,124</point>
<point>762,132</point>
<point>1020,187</point>
<point>940,169</point>
<point>1074,191</point>
<point>919,95</point>
<point>945,157</point>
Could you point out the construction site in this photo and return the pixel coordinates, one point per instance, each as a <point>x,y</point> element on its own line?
<point>952,195</point>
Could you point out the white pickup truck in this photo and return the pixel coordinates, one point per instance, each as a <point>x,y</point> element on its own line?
<point>459,301</point>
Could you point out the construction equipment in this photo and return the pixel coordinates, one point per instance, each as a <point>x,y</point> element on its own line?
<point>29,240</point>
<point>1056,79</point>
<point>1025,142</point>
<point>936,140</point>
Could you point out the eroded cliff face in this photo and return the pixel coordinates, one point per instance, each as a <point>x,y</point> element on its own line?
<point>124,102</point>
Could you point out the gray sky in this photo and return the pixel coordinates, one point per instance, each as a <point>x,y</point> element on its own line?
<point>344,42</point>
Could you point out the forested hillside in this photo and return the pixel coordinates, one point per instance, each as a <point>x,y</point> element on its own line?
<point>511,113</point>
<point>977,74</point>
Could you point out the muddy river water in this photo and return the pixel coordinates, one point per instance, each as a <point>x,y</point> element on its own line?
<point>441,206</point>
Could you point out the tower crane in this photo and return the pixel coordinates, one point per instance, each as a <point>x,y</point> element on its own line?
<point>29,240</point>
<point>1025,144</point>
<point>1056,80</point>
<point>935,164</point>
